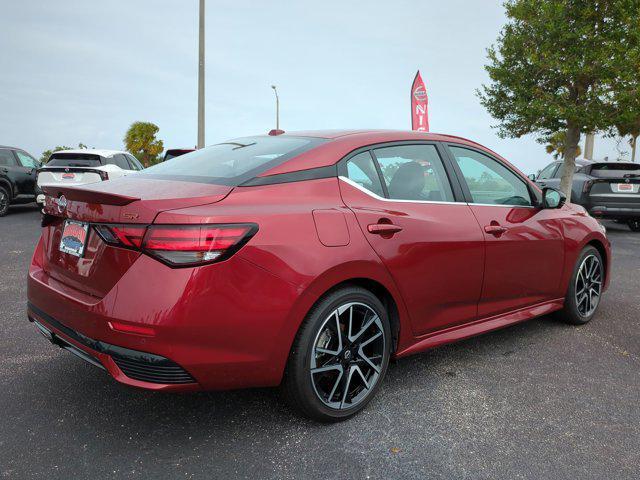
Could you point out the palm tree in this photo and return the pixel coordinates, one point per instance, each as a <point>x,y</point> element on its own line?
<point>555,145</point>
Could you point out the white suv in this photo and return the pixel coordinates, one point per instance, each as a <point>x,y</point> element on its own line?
<point>79,167</point>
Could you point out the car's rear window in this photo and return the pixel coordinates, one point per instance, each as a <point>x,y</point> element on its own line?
<point>74,160</point>
<point>613,170</point>
<point>232,162</point>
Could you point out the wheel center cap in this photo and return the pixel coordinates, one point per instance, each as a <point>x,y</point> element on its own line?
<point>347,355</point>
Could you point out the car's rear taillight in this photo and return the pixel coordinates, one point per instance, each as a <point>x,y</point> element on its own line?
<point>196,244</point>
<point>128,236</point>
<point>180,245</point>
<point>587,186</point>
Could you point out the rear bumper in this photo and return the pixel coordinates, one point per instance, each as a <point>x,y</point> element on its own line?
<point>613,206</point>
<point>132,367</point>
<point>226,325</point>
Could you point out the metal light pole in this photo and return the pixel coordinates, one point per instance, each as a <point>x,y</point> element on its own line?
<point>201,77</point>
<point>275,90</point>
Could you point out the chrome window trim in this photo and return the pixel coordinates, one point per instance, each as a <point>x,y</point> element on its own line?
<point>378,197</point>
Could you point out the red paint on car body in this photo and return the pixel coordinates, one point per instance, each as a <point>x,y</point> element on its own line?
<point>231,324</point>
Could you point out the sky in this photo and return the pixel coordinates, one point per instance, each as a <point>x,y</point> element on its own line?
<point>84,70</point>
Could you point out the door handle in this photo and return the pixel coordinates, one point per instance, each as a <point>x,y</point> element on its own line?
<point>383,228</point>
<point>496,229</point>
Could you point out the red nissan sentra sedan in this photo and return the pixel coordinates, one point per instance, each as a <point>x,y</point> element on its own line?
<point>306,260</point>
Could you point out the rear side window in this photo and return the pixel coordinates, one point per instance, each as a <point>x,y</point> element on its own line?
<point>135,164</point>
<point>615,170</point>
<point>233,162</point>
<point>74,160</point>
<point>414,172</point>
<point>362,170</point>
<point>119,160</point>
<point>6,157</point>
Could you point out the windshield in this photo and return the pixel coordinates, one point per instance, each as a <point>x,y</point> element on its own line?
<point>615,170</point>
<point>74,160</point>
<point>232,162</point>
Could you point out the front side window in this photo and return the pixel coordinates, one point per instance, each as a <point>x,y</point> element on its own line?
<point>362,170</point>
<point>233,162</point>
<point>414,172</point>
<point>548,171</point>
<point>27,160</point>
<point>489,181</point>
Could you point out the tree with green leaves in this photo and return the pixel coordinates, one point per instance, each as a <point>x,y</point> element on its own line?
<point>44,158</point>
<point>141,141</point>
<point>558,66</point>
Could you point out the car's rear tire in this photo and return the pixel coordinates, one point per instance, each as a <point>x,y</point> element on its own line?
<point>634,224</point>
<point>585,288</point>
<point>5,200</point>
<point>340,355</point>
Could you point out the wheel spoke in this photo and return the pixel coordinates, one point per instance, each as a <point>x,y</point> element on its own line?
<point>362,355</point>
<point>347,383</point>
<point>327,368</point>
<point>364,329</point>
<point>335,385</point>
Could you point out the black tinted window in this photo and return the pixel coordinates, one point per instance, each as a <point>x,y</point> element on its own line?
<point>74,160</point>
<point>613,170</point>
<point>232,162</point>
<point>6,157</point>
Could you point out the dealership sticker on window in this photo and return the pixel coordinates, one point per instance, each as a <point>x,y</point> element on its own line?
<point>74,236</point>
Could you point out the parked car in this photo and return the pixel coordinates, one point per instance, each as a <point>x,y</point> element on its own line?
<point>605,189</point>
<point>80,167</point>
<point>17,177</point>
<point>307,261</point>
<point>176,152</point>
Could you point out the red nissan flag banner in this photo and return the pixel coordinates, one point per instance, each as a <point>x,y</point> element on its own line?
<point>419,105</point>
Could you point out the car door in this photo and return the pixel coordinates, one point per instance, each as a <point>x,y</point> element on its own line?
<point>415,219</point>
<point>13,172</point>
<point>524,243</point>
<point>28,166</point>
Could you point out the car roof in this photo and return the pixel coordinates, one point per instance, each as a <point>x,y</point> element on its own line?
<point>93,151</point>
<point>341,142</point>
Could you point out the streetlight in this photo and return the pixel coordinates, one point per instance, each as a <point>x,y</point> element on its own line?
<point>201,77</point>
<point>275,90</point>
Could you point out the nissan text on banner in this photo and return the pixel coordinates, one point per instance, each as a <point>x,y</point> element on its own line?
<point>419,105</point>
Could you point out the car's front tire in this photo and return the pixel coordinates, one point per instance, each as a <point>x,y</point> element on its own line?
<point>340,355</point>
<point>585,288</point>
<point>5,200</point>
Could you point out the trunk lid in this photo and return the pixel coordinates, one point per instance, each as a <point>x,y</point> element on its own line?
<point>129,200</point>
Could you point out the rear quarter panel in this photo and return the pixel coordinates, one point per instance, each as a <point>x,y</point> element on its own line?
<point>287,245</point>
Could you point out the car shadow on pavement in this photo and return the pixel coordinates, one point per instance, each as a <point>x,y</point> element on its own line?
<point>100,404</point>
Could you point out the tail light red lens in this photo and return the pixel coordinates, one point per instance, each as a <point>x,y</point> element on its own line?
<point>181,245</point>
<point>129,236</point>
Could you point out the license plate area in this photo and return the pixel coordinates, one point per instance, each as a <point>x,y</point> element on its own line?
<point>624,187</point>
<point>74,237</point>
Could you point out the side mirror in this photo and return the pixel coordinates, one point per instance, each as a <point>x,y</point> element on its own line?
<point>552,198</point>
<point>532,177</point>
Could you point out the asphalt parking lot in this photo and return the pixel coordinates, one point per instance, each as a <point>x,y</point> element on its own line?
<point>537,400</point>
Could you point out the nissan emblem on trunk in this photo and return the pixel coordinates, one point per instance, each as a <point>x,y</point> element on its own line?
<point>62,203</point>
